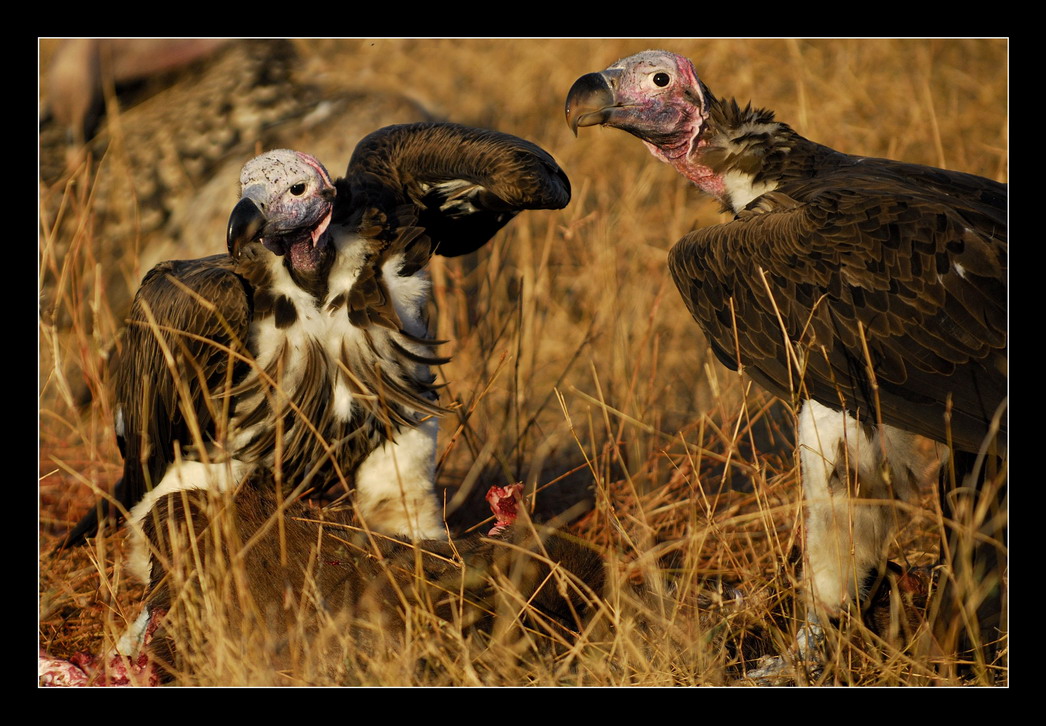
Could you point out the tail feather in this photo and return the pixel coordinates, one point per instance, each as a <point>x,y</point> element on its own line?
<point>89,525</point>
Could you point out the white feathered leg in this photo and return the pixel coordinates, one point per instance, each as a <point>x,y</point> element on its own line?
<point>849,480</point>
<point>181,476</point>
<point>395,489</point>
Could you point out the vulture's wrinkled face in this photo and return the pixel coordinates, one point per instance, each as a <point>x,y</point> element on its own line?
<point>654,95</point>
<point>286,203</point>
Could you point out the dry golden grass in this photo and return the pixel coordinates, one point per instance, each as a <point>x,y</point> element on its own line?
<point>574,364</point>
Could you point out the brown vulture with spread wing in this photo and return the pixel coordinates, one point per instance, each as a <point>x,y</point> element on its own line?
<point>870,292</point>
<point>302,358</point>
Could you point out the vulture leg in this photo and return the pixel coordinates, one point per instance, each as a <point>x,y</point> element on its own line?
<point>395,489</point>
<point>226,564</point>
<point>851,472</point>
<point>180,477</point>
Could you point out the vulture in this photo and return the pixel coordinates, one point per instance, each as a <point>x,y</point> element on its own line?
<point>869,293</point>
<point>301,359</point>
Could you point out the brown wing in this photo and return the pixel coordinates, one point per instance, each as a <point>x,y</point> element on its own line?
<point>183,348</point>
<point>917,279</point>
<point>466,183</point>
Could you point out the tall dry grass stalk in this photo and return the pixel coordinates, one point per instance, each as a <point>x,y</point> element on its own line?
<point>576,369</point>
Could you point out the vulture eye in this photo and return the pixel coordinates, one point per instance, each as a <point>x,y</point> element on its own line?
<point>661,79</point>
<point>298,189</point>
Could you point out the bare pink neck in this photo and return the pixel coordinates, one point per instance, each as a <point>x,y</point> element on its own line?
<point>690,167</point>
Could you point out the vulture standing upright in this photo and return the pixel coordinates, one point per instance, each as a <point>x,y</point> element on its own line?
<point>871,291</point>
<point>302,358</point>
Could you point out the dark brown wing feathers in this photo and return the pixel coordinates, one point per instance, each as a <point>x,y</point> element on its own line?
<point>465,183</point>
<point>192,318</point>
<point>874,257</point>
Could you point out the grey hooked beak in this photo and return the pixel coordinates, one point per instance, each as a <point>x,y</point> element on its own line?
<point>591,100</point>
<point>245,225</point>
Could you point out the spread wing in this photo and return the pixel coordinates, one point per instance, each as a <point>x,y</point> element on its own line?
<point>857,274</point>
<point>465,183</point>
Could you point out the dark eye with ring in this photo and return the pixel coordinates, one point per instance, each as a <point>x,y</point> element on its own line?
<point>298,189</point>
<point>661,79</point>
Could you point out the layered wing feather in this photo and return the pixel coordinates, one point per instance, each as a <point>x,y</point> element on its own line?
<point>183,350</point>
<point>879,288</point>
<point>465,183</point>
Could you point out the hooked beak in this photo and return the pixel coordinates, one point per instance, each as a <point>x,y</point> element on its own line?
<point>245,225</point>
<point>591,100</point>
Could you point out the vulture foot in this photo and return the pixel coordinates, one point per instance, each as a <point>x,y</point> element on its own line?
<point>803,664</point>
